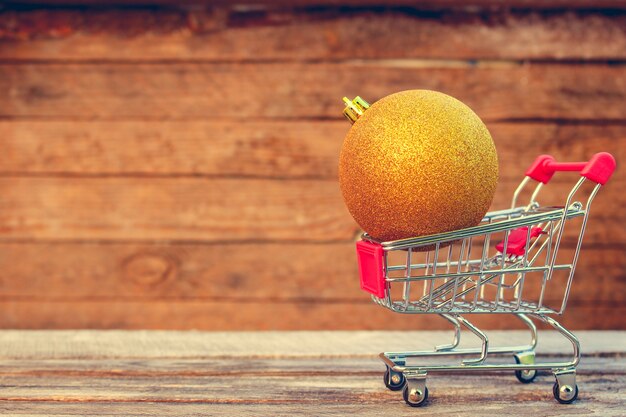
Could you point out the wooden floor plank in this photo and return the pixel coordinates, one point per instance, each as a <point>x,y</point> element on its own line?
<point>304,393</point>
<point>297,373</point>
<point>509,406</point>
<point>192,91</point>
<point>286,389</point>
<point>158,344</point>
<point>359,366</point>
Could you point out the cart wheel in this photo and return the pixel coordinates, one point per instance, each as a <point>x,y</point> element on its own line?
<point>565,394</point>
<point>394,380</point>
<point>525,376</point>
<point>417,399</point>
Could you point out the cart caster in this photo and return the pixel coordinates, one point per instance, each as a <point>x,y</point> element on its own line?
<point>415,392</point>
<point>415,398</point>
<point>394,380</point>
<point>565,394</point>
<point>565,389</point>
<point>525,376</point>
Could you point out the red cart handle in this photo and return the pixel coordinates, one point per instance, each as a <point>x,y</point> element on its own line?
<point>599,168</point>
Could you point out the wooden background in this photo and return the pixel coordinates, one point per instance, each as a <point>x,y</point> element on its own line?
<point>165,167</point>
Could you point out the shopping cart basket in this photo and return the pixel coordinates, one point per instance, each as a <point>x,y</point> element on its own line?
<point>509,264</point>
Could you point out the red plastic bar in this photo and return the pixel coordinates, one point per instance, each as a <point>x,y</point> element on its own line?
<point>371,268</point>
<point>598,169</point>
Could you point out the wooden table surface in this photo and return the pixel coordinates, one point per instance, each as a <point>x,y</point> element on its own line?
<point>170,373</point>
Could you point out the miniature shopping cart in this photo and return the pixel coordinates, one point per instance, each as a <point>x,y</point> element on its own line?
<point>512,263</point>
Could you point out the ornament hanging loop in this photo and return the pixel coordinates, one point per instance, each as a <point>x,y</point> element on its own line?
<point>354,108</point>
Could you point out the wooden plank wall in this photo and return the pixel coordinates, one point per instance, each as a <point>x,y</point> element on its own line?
<point>176,168</point>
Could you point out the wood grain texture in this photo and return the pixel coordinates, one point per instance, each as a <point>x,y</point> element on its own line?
<point>266,314</point>
<point>510,404</point>
<point>174,209</point>
<point>175,167</point>
<point>225,210</point>
<point>229,34</point>
<point>301,373</point>
<point>424,4</point>
<point>266,149</point>
<point>272,364</point>
<point>189,91</point>
<point>359,390</point>
<point>291,273</point>
<point>269,347</point>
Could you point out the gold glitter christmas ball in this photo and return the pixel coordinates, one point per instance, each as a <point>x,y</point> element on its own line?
<point>416,163</point>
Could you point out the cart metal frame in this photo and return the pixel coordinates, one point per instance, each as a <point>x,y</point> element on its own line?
<point>459,272</point>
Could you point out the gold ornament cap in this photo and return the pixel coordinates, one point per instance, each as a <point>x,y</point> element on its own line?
<point>354,108</point>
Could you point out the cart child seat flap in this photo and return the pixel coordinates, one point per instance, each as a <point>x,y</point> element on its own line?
<point>516,243</point>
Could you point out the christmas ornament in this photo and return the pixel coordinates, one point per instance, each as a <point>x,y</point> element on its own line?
<point>416,163</point>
